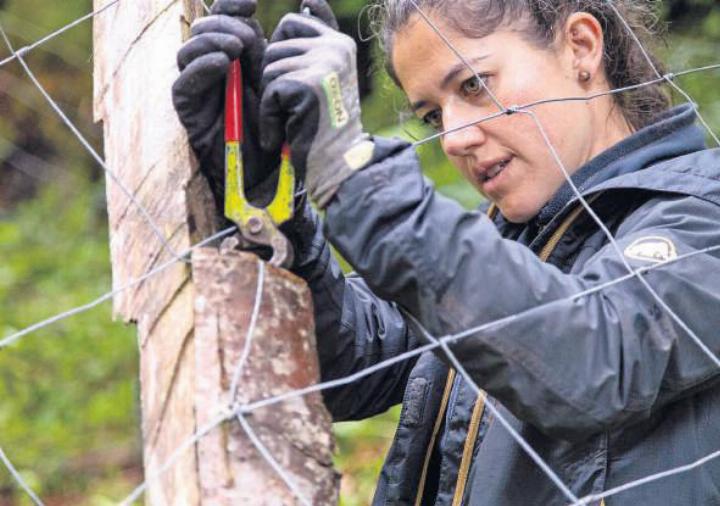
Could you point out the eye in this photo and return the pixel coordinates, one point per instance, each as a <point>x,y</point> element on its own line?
<point>474,85</point>
<point>434,119</point>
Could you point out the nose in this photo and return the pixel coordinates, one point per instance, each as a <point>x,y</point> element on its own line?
<point>465,136</point>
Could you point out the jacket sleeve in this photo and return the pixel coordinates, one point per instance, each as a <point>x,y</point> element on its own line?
<point>355,329</point>
<point>571,365</point>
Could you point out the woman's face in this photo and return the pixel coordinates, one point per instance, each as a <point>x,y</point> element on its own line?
<point>507,158</point>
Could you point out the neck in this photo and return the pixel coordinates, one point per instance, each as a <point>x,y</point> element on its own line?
<point>611,124</point>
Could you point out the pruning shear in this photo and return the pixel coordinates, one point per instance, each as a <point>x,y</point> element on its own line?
<point>258,225</point>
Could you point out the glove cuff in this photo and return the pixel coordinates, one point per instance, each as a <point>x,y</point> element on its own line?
<point>355,158</point>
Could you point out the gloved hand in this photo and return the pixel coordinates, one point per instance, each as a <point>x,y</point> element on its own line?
<point>311,99</point>
<point>230,32</point>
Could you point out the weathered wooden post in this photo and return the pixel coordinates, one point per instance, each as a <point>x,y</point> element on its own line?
<point>282,358</point>
<point>193,318</point>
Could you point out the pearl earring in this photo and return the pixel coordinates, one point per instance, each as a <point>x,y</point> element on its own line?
<point>584,75</point>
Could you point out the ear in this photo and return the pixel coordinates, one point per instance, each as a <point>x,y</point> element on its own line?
<point>583,41</point>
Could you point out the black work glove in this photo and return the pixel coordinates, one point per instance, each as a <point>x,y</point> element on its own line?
<point>229,33</point>
<point>311,100</point>
<point>199,99</point>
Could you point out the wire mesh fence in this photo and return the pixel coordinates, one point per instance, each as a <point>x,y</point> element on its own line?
<point>238,413</point>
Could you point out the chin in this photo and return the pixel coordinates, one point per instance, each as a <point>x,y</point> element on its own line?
<point>516,214</point>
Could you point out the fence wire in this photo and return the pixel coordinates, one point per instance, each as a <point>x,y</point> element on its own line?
<point>238,412</point>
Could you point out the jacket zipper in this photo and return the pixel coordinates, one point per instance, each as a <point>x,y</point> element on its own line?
<point>552,243</point>
<point>479,408</point>
<point>473,430</point>
<point>436,430</point>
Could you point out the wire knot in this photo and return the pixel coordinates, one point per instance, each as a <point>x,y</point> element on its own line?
<point>236,408</point>
<point>19,53</point>
<point>512,109</point>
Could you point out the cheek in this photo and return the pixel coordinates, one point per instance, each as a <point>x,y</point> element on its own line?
<point>461,164</point>
<point>523,132</point>
<point>537,175</point>
<point>564,123</point>
<point>520,88</point>
<point>520,130</point>
<point>566,129</point>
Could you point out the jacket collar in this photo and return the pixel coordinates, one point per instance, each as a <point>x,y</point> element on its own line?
<point>694,173</point>
<point>673,134</point>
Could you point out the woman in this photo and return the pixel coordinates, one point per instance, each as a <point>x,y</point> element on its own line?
<point>608,386</point>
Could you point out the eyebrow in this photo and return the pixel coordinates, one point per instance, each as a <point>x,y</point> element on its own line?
<point>451,74</point>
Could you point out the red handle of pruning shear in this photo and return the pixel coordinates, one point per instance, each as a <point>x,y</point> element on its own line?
<point>234,108</point>
<point>234,104</point>
<point>257,224</point>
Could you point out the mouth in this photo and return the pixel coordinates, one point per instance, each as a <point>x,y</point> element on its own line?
<point>491,172</point>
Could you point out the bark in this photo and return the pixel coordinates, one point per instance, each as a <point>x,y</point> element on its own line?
<point>282,358</point>
<point>135,42</point>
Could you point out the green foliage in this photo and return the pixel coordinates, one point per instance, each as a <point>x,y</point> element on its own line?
<point>361,448</point>
<point>690,50</point>
<point>69,390</point>
<point>68,417</point>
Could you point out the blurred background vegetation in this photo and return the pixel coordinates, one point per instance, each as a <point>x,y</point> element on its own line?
<point>68,394</point>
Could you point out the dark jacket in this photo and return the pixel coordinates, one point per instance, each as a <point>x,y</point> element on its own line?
<point>606,387</point>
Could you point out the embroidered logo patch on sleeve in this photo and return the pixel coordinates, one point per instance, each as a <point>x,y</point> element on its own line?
<point>654,249</point>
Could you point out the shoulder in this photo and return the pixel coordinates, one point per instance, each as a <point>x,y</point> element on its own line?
<point>695,174</point>
<point>691,219</point>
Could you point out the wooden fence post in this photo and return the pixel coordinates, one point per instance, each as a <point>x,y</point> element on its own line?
<point>184,356</point>
<point>282,358</point>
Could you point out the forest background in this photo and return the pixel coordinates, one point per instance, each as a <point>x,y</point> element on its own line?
<point>69,415</point>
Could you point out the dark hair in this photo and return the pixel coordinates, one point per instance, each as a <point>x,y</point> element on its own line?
<point>624,61</point>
